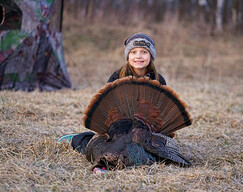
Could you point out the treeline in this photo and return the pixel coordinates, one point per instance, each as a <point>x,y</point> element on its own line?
<point>218,15</point>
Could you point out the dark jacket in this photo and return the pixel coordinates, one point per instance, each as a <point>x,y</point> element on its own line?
<point>151,75</point>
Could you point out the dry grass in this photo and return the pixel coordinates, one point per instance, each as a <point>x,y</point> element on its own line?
<point>206,72</point>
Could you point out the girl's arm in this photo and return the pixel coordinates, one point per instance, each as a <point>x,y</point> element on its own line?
<point>162,80</point>
<point>113,77</point>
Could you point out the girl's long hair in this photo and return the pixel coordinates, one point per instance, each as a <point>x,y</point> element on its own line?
<point>127,70</point>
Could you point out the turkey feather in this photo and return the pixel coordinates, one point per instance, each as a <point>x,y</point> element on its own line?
<point>133,119</point>
<point>158,105</point>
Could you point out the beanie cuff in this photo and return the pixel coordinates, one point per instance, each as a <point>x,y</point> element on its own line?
<point>140,42</point>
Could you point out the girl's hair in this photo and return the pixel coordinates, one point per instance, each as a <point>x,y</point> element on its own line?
<point>127,70</point>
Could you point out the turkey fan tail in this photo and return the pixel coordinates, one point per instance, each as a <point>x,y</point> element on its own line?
<point>164,111</point>
<point>178,123</point>
<point>116,101</point>
<point>97,112</point>
<point>158,106</point>
<point>172,111</point>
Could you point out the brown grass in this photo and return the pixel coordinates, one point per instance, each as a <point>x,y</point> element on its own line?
<point>207,72</point>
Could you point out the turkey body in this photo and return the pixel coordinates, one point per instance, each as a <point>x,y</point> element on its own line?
<point>130,142</point>
<point>132,120</point>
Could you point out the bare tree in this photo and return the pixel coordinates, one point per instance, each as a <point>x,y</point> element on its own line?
<point>227,12</point>
<point>239,15</point>
<point>219,15</point>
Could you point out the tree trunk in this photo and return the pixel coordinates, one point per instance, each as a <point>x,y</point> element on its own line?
<point>184,10</point>
<point>219,16</point>
<point>158,10</point>
<point>239,16</point>
<point>227,13</point>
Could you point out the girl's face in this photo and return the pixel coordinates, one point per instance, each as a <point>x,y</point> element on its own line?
<point>139,59</point>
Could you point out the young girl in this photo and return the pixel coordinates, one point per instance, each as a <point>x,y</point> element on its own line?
<point>140,55</point>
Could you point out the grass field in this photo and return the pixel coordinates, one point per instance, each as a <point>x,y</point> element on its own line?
<point>206,71</point>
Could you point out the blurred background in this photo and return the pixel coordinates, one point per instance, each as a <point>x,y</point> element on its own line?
<point>199,46</point>
<point>199,40</point>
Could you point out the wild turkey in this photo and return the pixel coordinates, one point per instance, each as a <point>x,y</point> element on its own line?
<point>133,120</point>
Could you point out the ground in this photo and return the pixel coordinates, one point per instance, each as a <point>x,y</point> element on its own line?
<point>207,73</point>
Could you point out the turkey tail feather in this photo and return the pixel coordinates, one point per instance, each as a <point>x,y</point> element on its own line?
<point>137,98</point>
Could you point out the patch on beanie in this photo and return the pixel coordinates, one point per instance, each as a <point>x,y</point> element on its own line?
<point>141,43</point>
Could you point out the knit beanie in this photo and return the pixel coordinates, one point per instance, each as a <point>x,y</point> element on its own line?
<point>140,40</point>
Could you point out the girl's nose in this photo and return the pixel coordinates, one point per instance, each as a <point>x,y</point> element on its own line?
<point>138,55</point>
